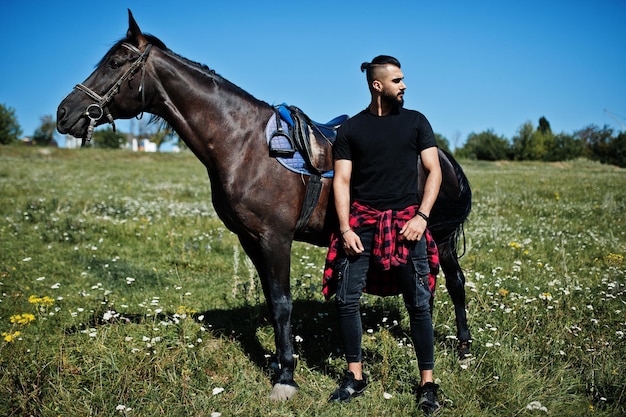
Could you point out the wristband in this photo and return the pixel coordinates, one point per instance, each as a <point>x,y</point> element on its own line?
<point>345,231</point>
<point>423,216</point>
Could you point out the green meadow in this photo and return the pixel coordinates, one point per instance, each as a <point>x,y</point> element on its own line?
<point>122,294</point>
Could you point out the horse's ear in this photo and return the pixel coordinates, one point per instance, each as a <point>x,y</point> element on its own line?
<point>134,33</point>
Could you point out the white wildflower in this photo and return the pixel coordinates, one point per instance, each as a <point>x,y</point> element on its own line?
<point>536,405</point>
<point>108,315</point>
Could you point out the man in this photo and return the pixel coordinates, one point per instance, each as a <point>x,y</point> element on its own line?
<point>382,223</point>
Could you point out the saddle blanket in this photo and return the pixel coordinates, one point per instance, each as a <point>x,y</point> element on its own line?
<point>296,162</point>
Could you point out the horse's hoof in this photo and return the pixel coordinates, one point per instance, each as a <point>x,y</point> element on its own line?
<point>464,349</point>
<point>283,392</point>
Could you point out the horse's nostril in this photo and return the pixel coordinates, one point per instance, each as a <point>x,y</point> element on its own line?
<point>61,113</point>
<point>61,119</point>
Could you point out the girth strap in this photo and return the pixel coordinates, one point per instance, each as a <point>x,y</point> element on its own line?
<point>311,197</point>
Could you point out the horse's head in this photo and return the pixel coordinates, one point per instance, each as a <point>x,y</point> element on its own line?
<point>115,90</point>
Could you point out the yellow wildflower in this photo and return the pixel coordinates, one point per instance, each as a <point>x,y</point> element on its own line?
<point>614,259</point>
<point>44,301</point>
<point>22,318</point>
<point>503,292</point>
<point>182,310</point>
<point>546,296</point>
<point>515,245</point>
<point>10,337</point>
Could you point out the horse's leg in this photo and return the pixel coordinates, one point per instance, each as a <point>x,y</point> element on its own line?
<point>455,283</point>
<point>272,258</point>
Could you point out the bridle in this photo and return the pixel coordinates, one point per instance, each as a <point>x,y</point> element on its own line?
<point>96,110</point>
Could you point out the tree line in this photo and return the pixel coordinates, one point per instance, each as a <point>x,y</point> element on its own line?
<point>541,144</point>
<point>531,143</point>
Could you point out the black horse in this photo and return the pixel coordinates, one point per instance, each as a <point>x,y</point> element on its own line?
<point>255,197</point>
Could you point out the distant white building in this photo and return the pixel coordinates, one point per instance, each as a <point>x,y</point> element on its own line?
<point>136,145</point>
<point>72,143</point>
<point>143,145</point>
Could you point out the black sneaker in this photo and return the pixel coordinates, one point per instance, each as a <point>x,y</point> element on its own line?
<point>427,399</point>
<point>349,388</point>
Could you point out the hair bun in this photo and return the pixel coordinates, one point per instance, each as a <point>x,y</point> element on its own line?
<point>364,66</point>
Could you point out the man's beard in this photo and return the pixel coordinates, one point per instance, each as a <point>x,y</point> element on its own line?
<point>393,100</point>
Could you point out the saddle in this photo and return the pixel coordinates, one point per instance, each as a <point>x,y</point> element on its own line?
<point>312,140</point>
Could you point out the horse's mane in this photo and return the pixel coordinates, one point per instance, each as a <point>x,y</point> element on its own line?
<point>156,42</point>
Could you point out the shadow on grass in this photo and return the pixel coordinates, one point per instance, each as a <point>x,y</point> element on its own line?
<point>313,322</point>
<point>314,325</point>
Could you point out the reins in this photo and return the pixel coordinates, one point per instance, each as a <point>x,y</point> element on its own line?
<point>96,110</point>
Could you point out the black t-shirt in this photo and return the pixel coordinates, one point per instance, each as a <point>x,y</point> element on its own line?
<point>384,152</point>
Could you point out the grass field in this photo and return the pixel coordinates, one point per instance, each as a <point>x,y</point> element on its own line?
<point>123,294</point>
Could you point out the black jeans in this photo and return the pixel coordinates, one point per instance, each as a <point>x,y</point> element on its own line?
<point>415,291</point>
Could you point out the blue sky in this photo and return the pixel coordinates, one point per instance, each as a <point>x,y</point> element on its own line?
<point>468,66</point>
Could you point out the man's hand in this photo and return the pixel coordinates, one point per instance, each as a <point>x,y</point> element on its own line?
<point>413,229</point>
<point>351,243</point>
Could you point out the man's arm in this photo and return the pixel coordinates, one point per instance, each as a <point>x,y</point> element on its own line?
<point>414,228</point>
<point>341,189</point>
<point>430,162</point>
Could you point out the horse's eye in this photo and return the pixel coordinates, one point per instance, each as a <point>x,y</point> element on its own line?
<point>114,64</point>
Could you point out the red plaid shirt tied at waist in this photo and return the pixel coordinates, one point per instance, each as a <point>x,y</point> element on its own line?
<point>387,252</point>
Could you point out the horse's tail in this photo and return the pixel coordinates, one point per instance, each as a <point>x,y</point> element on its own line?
<point>453,204</point>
